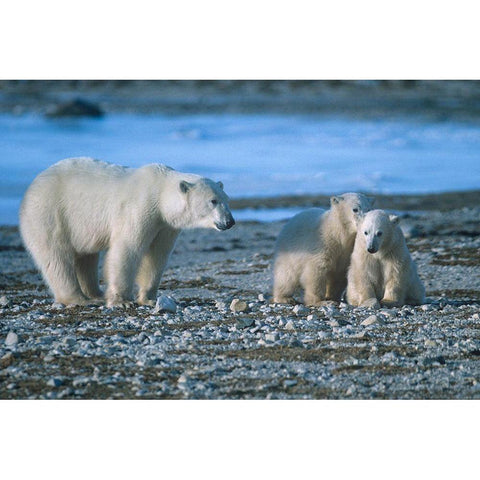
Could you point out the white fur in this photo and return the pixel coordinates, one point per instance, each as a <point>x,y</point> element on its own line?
<point>79,207</point>
<point>386,274</point>
<point>313,250</point>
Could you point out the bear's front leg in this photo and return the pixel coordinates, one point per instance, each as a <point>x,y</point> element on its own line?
<point>121,265</point>
<point>361,292</point>
<point>153,264</point>
<point>394,295</point>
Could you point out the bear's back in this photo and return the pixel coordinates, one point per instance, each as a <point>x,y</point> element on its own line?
<point>302,232</point>
<point>87,166</point>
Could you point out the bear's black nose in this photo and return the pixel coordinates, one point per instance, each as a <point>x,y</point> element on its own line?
<point>226,225</point>
<point>371,250</point>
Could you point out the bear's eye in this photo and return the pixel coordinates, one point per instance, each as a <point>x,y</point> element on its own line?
<point>366,233</point>
<point>379,234</point>
<point>214,202</point>
<point>355,210</point>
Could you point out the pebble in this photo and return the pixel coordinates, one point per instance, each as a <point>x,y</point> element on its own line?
<point>69,341</point>
<point>12,339</point>
<point>371,320</point>
<point>55,382</point>
<point>238,305</point>
<point>430,343</point>
<point>165,303</point>
<point>245,322</point>
<point>6,360</point>
<point>261,297</point>
<point>220,305</point>
<point>289,383</point>
<point>290,325</point>
<point>271,337</point>
<point>4,301</point>
<point>300,310</point>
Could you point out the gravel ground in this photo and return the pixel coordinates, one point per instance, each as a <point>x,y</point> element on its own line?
<point>260,350</point>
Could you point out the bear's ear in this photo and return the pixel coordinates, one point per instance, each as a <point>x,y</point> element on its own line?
<point>220,184</point>
<point>394,219</point>
<point>185,186</point>
<point>371,201</point>
<point>335,200</point>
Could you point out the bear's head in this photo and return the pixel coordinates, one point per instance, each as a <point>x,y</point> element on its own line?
<point>350,208</point>
<point>377,229</point>
<point>206,205</point>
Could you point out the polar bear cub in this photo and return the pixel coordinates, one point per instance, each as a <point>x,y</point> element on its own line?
<point>313,250</point>
<point>80,206</point>
<point>382,270</point>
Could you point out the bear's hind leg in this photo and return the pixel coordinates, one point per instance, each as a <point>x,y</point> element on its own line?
<point>87,274</point>
<point>58,269</point>
<point>314,282</point>
<point>285,282</point>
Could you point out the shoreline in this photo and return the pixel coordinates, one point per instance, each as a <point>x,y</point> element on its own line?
<point>428,99</point>
<point>403,203</point>
<point>443,201</point>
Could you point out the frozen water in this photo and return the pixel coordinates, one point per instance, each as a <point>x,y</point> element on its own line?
<point>253,155</point>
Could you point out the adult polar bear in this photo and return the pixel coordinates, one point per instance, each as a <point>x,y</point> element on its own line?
<point>81,206</point>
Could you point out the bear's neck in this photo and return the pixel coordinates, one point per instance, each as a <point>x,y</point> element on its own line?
<point>339,230</point>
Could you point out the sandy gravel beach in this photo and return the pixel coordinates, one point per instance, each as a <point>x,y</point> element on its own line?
<point>206,350</point>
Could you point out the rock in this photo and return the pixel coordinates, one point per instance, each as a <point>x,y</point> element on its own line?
<point>289,325</point>
<point>182,379</point>
<point>245,322</point>
<point>12,339</point>
<point>75,108</point>
<point>475,316</point>
<point>69,341</point>
<point>294,342</point>
<point>238,305</point>
<point>4,301</point>
<point>430,343</point>
<point>55,382</point>
<point>289,383</point>
<point>300,310</point>
<point>312,317</point>
<point>271,337</point>
<point>6,360</point>
<point>371,320</point>
<point>165,304</point>
<point>333,323</point>
<point>220,305</point>
<point>261,297</point>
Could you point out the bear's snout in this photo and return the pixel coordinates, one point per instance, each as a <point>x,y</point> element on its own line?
<point>372,250</point>
<point>225,225</point>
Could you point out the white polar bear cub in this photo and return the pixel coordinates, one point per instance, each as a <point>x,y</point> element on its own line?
<point>313,250</point>
<point>80,206</point>
<point>382,269</point>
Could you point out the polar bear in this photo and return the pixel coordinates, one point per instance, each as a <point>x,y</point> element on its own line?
<point>81,206</point>
<point>381,269</point>
<point>313,250</point>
